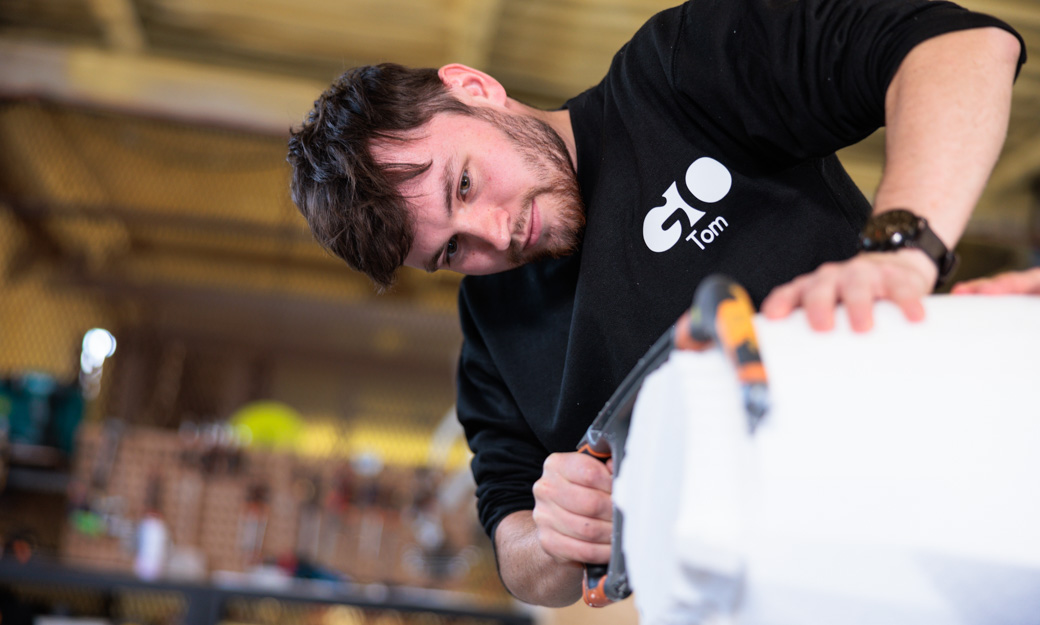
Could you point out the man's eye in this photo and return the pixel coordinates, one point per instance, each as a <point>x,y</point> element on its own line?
<point>452,247</point>
<point>464,184</point>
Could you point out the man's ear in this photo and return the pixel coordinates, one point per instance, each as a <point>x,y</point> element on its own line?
<point>472,86</point>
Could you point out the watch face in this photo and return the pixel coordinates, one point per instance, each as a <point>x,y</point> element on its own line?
<point>891,230</point>
<point>900,228</point>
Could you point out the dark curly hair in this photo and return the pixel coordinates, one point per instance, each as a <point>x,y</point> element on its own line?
<point>350,201</point>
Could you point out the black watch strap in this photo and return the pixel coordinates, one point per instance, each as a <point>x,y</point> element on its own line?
<point>944,259</point>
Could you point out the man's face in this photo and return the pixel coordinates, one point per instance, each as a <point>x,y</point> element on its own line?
<point>500,192</point>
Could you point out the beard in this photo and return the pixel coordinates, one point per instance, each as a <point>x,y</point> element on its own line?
<point>545,153</point>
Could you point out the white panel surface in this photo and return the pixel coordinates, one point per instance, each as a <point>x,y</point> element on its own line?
<point>895,480</point>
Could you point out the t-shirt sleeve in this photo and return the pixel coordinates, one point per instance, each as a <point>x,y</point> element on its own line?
<point>507,457</point>
<point>801,78</point>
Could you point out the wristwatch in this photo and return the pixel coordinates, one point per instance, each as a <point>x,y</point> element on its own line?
<point>899,228</point>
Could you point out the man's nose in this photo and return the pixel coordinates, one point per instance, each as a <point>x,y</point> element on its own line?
<point>491,224</point>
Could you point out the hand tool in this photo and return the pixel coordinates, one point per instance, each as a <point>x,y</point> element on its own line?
<point>721,314</point>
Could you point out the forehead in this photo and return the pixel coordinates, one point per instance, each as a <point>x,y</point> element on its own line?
<point>414,146</point>
<point>421,152</point>
<point>429,150</point>
<point>445,133</point>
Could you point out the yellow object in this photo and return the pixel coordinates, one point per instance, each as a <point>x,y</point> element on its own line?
<point>268,424</point>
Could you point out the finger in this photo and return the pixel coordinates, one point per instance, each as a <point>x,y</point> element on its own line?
<point>995,287</point>
<point>819,302</point>
<point>569,537</point>
<point>858,297</point>
<point>990,285</point>
<point>965,288</point>
<point>912,307</point>
<point>1008,283</point>
<point>589,472</point>
<point>1031,281</point>
<point>567,549</point>
<point>552,493</point>
<point>552,518</point>
<point>861,314</point>
<point>983,286</point>
<point>781,301</point>
<point>1000,284</point>
<point>908,296</point>
<point>578,468</point>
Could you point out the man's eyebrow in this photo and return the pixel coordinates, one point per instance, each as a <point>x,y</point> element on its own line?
<point>448,180</point>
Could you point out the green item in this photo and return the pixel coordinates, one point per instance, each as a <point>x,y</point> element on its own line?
<point>87,522</point>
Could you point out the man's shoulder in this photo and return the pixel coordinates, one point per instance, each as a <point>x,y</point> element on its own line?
<point>546,277</point>
<point>528,295</point>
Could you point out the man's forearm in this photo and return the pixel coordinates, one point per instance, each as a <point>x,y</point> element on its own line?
<point>529,573</point>
<point>946,115</point>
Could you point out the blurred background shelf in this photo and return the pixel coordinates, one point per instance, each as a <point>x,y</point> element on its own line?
<point>205,604</point>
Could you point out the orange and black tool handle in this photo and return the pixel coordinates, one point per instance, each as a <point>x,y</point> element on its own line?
<point>721,314</point>
<point>603,584</point>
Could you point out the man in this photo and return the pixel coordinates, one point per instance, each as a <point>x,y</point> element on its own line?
<point>709,147</point>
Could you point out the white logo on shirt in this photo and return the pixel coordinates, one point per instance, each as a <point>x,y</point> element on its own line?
<point>709,181</point>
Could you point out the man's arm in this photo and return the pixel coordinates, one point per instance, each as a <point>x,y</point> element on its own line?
<point>540,552</point>
<point>946,113</point>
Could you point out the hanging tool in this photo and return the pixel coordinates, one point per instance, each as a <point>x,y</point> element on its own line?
<point>722,315</point>
<point>252,525</point>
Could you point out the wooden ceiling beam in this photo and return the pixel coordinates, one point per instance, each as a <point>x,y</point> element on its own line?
<point>155,87</point>
<point>475,25</point>
<point>120,23</point>
<point>182,220</point>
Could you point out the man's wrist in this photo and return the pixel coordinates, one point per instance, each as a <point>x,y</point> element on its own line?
<point>921,263</point>
<point>899,229</point>
<point>527,571</point>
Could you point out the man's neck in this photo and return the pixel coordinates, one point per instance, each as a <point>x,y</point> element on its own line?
<point>559,120</point>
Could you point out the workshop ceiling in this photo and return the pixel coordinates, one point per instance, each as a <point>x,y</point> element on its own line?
<point>142,141</point>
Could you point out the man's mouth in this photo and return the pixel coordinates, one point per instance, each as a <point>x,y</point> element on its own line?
<point>534,227</point>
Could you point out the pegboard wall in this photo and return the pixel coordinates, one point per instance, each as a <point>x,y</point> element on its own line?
<point>232,510</point>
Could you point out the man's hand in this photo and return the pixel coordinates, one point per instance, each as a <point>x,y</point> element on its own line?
<point>904,277</point>
<point>540,553</point>
<point>1012,282</point>
<point>573,510</point>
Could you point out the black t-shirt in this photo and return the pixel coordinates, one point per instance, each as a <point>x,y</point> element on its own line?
<point>707,148</point>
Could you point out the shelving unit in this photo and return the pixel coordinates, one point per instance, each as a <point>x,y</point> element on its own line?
<point>205,603</point>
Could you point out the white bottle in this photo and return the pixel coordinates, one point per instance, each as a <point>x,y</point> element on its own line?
<point>152,541</point>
